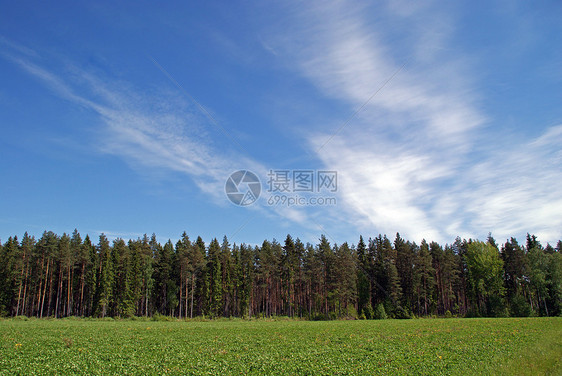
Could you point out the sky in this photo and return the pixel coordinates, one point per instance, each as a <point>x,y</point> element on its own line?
<point>431,119</point>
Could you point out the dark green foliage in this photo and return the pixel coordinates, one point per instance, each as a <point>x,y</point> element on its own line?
<point>104,288</point>
<point>165,288</point>
<point>346,276</point>
<point>485,277</point>
<point>123,286</point>
<point>67,276</point>
<point>554,284</point>
<point>515,266</point>
<point>368,312</point>
<point>520,307</point>
<point>405,262</point>
<point>363,283</point>
<point>215,279</point>
<point>379,312</point>
<point>8,256</point>
<point>496,306</point>
<point>424,279</point>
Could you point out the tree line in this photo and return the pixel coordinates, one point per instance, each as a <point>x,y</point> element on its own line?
<point>59,276</point>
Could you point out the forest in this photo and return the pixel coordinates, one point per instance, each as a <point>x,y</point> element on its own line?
<point>60,276</point>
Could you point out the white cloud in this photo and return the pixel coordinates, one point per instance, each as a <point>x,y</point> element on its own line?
<point>143,130</point>
<point>159,132</point>
<point>408,162</point>
<point>517,189</point>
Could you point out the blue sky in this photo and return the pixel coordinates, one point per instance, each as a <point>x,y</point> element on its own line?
<point>441,120</point>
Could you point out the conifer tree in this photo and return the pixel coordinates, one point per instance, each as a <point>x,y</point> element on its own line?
<point>424,279</point>
<point>105,277</point>
<point>202,283</point>
<point>26,283</point>
<point>404,266</point>
<point>227,277</point>
<point>363,283</point>
<point>215,279</point>
<point>346,276</point>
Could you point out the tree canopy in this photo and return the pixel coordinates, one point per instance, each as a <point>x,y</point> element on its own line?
<point>67,275</point>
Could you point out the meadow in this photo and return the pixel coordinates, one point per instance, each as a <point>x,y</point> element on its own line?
<point>422,346</point>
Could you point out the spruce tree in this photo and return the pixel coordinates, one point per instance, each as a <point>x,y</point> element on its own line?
<point>215,278</point>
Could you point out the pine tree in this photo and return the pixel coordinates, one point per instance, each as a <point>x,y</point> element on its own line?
<point>202,281</point>
<point>164,292</point>
<point>405,269</point>
<point>183,249</point>
<point>327,259</point>
<point>64,262</point>
<point>515,268</point>
<point>437,256</point>
<point>265,265</point>
<point>124,301</point>
<point>554,283</point>
<point>379,275</point>
<point>227,277</point>
<point>299,283</point>
<point>105,279</point>
<point>395,290</point>
<point>363,283</point>
<point>424,280</point>
<point>289,265</point>
<point>47,248</point>
<point>136,276</point>
<point>8,262</point>
<point>25,289</point>
<point>277,278</point>
<point>538,271</point>
<point>245,280</point>
<point>215,278</point>
<point>91,277</point>
<point>346,276</point>
<point>532,242</point>
<point>78,274</point>
<point>146,249</point>
<point>450,274</point>
<point>62,276</point>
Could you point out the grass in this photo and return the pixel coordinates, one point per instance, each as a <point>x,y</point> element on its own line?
<point>423,347</point>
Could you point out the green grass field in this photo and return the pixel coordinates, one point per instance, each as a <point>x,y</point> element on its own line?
<point>424,346</point>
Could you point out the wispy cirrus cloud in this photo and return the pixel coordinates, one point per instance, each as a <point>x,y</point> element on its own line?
<point>415,159</point>
<point>159,132</point>
<point>421,157</point>
<point>515,189</point>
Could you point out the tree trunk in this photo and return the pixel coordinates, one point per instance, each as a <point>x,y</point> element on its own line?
<point>40,287</point>
<point>44,290</point>
<point>82,278</point>
<point>59,292</point>
<point>186,297</point>
<point>25,286</point>
<point>21,285</point>
<point>68,290</point>
<point>146,305</point>
<point>192,288</point>
<point>49,305</point>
